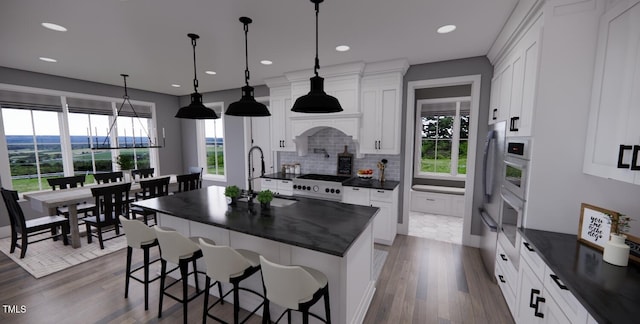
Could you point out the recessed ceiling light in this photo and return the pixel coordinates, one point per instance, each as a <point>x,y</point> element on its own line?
<point>342,48</point>
<point>175,85</point>
<point>266,62</point>
<point>446,29</point>
<point>210,72</point>
<point>53,26</point>
<point>48,59</point>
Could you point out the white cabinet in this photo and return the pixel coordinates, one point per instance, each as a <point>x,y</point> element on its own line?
<point>524,63</point>
<point>381,102</point>
<point>613,135</point>
<point>280,108</point>
<point>513,86</point>
<point>277,186</point>
<point>541,296</point>
<point>384,225</point>
<point>437,203</point>
<point>507,277</point>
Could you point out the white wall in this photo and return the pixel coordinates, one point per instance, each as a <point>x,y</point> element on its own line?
<point>557,185</point>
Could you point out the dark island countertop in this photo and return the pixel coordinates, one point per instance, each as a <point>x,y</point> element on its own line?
<point>280,176</point>
<point>371,183</point>
<point>611,294</point>
<point>319,225</point>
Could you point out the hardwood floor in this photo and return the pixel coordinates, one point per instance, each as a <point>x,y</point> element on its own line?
<point>422,281</point>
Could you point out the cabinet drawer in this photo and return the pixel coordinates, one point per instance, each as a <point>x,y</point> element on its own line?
<point>532,258</point>
<point>506,287</point>
<point>285,185</point>
<point>356,196</point>
<point>430,203</point>
<point>381,195</point>
<point>510,273</point>
<point>270,184</point>
<point>570,306</point>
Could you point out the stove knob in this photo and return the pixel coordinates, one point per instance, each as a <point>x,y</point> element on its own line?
<point>337,191</point>
<point>333,190</point>
<point>316,188</point>
<point>327,190</point>
<point>304,187</point>
<point>308,188</point>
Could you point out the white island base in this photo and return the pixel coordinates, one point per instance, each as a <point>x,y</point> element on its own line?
<point>351,282</point>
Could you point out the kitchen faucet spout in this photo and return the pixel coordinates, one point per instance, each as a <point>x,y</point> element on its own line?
<point>250,173</point>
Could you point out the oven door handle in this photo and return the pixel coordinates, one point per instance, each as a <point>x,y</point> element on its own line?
<point>508,199</point>
<point>515,165</point>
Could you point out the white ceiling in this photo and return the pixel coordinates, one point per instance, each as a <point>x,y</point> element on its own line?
<point>147,39</point>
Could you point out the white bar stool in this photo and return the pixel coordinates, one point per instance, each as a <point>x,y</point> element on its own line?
<point>225,264</point>
<point>295,288</point>
<point>139,236</point>
<point>179,250</point>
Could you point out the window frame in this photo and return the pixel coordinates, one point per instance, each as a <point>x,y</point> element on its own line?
<point>201,145</point>
<point>65,139</point>
<point>455,140</point>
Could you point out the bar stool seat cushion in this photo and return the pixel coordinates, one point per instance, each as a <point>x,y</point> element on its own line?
<point>252,257</point>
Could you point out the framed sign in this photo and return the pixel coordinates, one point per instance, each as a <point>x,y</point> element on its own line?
<point>345,163</point>
<point>595,227</point>
<point>634,247</point>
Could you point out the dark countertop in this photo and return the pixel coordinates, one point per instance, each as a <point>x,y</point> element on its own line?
<point>319,225</point>
<point>611,294</point>
<point>371,184</point>
<point>280,176</point>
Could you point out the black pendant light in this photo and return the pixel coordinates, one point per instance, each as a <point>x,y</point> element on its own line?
<point>317,101</point>
<point>196,110</point>
<point>247,105</point>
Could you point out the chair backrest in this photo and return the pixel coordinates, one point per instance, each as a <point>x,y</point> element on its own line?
<point>112,201</point>
<point>142,173</point>
<point>16,216</point>
<point>155,187</point>
<point>67,182</point>
<point>174,245</point>
<point>187,182</point>
<point>137,232</point>
<point>287,285</point>
<point>195,169</point>
<point>108,177</point>
<point>222,261</point>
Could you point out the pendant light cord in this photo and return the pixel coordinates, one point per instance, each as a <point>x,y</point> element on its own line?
<point>195,77</point>
<point>317,63</point>
<point>246,54</point>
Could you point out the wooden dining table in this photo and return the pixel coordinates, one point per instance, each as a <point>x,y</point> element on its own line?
<point>49,200</point>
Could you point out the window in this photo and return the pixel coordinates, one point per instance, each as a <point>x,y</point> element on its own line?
<point>443,129</point>
<point>44,140</point>
<point>33,143</point>
<point>211,144</point>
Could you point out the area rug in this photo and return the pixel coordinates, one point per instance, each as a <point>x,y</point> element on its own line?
<point>47,257</point>
<point>379,257</point>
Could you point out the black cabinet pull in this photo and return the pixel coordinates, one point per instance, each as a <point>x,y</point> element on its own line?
<point>512,124</point>
<point>557,280</point>
<point>501,278</point>
<point>536,312</point>
<point>533,293</point>
<point>503,257</point>
<point>634,158</point>
<point>621,156</point>
<point>495,111</point>
<point>528,246</point>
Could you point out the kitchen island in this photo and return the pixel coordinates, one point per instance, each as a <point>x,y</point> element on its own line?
<point>332,237</point>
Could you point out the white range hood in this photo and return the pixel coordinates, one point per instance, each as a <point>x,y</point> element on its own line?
<point>304,126</point>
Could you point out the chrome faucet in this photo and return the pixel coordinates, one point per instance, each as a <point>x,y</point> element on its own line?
<point>250,178</point>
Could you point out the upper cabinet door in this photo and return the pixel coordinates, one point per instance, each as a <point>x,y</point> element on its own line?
<point>381,101</point>
<point>613,135</point>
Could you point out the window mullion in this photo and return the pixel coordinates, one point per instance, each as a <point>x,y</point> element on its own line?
<point>455,141</point>
<point>35,150</point>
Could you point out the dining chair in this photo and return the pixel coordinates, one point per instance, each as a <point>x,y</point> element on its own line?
<point>67,183</point>
<point>22,229</point>
<point>150,189</point>
<point>188,182</point>
<point>142,173</point>
<point>228,265</point>
<point>112,201</point>
<point>195,169</point>
<point>108,177</point>
<point>295,288</point>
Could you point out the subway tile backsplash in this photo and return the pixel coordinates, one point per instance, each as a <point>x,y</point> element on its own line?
<point>334,141</point>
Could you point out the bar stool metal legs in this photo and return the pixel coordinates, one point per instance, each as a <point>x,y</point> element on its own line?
<point>183,266</point>
<point>145,267</point>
